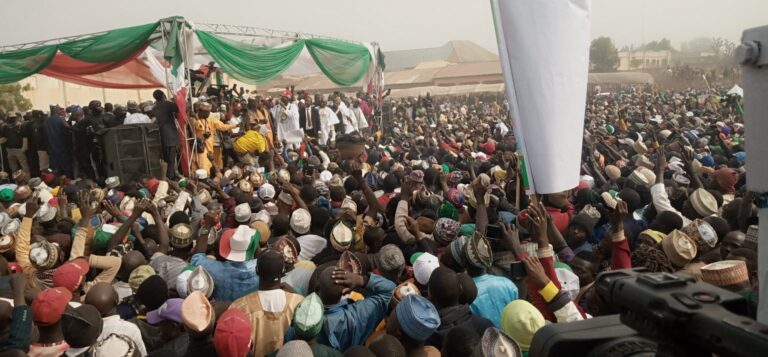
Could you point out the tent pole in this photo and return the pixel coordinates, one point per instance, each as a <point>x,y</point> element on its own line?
<point>188,83</point>
<point>64,90</point>
<point>165,43</point>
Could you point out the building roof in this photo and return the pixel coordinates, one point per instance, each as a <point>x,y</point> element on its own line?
<point>452,51</point>
<point>470,69</point>
<point>620,78</point>
<point>456,67</point>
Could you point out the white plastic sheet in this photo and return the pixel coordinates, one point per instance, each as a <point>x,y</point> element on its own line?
<point>544,51</point>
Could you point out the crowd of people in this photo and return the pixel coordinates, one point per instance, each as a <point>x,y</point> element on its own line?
<point>305,227</point>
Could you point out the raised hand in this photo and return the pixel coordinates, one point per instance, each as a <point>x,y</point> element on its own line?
<point>538,216</point>
<point>511,237</point>
<point>535,272</point>
<point>406,190</point>
<point>444,179</point>
<point>61,197</point>
<point>144,205</point>
<point>618,215</point>
<point>349,281</point>
<point>84,204</point>
<point>111,208</point>
<point>355,169</point>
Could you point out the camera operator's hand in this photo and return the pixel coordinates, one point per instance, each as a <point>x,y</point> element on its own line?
<point>535,272</point>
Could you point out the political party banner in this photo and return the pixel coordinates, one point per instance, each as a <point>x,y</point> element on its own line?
<point>544,52</point>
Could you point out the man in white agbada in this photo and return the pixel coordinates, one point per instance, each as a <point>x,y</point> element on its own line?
<point>135,116</point>
<point>328,121</point>
<point>356,118</point>
<point>286,117</point>
<point>342,113</point>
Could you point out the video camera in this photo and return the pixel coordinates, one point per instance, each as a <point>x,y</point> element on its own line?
<point>659,314</point>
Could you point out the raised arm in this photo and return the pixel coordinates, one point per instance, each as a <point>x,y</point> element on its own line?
<point>401,215</point>
<point>142,205</point>
<point>201,246</point>
<point>620,254</point>
<point>370,197</point>
<point>481,217</point>
<point>368,312</point>
<point>294,192</point>
<point>23,240</point>
<point>558,304</point>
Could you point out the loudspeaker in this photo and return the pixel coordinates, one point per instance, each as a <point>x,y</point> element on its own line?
<point>386,113</point>
<point>131,151</point>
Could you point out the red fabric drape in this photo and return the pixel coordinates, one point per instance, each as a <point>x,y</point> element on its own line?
<point>133,74</point>
<point>63,64</point>
<point>128,73</point>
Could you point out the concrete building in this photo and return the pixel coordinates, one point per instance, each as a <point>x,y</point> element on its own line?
<point>634,60</point>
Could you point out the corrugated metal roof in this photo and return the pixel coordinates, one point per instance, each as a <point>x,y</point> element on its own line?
<point>620,78</point>
<point>470,69</point>
<point>452,51</point>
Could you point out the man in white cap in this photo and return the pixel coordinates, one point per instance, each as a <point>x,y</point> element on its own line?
<point>243,213</point>
<point>300,222</point>
<point>135,116</point>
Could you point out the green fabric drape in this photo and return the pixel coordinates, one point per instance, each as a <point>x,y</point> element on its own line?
<point>110,46</point>
<point>17,65</point>
<point>249,63</point>
<point>172,51</point>
<point>342,62</point>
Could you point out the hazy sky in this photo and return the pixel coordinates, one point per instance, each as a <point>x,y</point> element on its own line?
<point>395,24</point>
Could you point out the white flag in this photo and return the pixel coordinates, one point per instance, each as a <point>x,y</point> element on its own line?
<point>544,51</point>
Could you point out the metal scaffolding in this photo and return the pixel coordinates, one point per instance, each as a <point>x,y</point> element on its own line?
<point>55,41</point>
<point>255,32</point>
<point>219,29</point>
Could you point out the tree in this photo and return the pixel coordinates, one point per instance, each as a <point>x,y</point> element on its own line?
<point>603,55</point>
<point>697,45</point>
<point>12,97</point>
<point>663,45</point>
<point>722,47</point>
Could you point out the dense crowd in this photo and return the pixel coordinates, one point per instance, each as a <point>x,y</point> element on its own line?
<point>306,227</point>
